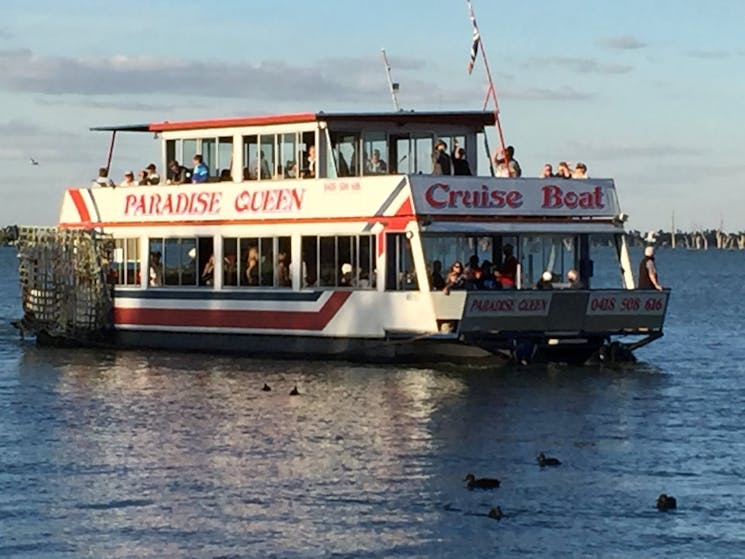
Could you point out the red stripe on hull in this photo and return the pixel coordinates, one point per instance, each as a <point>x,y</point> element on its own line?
<point>221,318</point>
<point>77,199</point>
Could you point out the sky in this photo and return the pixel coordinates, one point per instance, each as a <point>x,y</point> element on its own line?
<point>651,94</point>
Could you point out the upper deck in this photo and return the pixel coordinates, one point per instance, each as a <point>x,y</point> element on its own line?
<point>350,166</point>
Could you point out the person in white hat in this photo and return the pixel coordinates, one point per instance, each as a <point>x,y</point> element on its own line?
<point>648,278</point>
<point>546,281</point>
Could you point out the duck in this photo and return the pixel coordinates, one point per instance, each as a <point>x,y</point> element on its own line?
<point>295,391</point>
<point>666,502</point>
<point>481,483</point>
<point>496,513</point>
<point>266,388</point>
<point>544,460</point>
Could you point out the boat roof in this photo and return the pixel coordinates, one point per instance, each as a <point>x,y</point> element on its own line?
<point>472,119</point>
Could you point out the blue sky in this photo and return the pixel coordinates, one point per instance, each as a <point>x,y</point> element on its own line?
<point>649,93</point>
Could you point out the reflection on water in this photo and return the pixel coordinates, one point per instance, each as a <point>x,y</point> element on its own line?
<point>133,454</point>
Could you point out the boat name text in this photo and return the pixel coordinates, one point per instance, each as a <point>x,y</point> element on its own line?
<point>555,197</point>
<point>176,203</point>
<point>441,195</point>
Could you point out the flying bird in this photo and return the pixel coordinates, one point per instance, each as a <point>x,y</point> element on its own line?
<point>34,161</point>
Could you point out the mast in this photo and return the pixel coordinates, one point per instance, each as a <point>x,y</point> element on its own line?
<point>491,92</point>
<point>392,86</point>
<point>672,231</point>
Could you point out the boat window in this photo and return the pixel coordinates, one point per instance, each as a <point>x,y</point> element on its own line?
<point>308,155</point>
<point>345,147</point>
<point>257,261</point>
<point>375,150</point>
<point>413,153</point>
<point>267,166</point>
<point>209,155</point>
<point>173,262</point>
<point>289,156</point>
<point>250,158</point>
<point>188,151</point>
<point>547,253</point>
<point>484,253</point>
<point>125,265</point>
<point>400,271</point>
<point>339,261</point>
<point>224,158</point>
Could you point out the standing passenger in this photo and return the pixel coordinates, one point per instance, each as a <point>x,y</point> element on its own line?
<point>460,164</point>
<point>153,177</point>
<point>200,173</point>
<point>648,271</point>
<point>441,159</point>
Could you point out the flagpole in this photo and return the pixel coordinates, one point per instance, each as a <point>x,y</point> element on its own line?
<point>491,91</point>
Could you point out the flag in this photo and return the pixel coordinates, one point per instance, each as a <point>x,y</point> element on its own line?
<point>474,47</point>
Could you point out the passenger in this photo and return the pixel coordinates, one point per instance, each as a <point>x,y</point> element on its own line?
<point>142,178</point>
<point>456,278</point>
<point>547,172</point>
<point>246,174</point>
<point>208,273</point>
<point>153,177</point>
<point>440,159</point>
<point>648,278</point>
<point>436,280</point>
<point>580,171</point>
<point>103,178</point>
<point>376,166</point>
<point>200,173</point>
<point>563,171</point>
<point>260,165</point>
<point>574,280</point>
<point>507,165</point>
<point>347,278</point>
<point>156,270</point>
<point>291,170</point>
<point>507,274</point>
<point>283,270</point>
<point>177,174</point>
<point>460,163</point>
<point>129,179</point>
<point>309,167</point>
<point>252,266</point>
<point>488,279</point>
<point>473,273</point>
<point>225,176</point>
<point>546,281</point>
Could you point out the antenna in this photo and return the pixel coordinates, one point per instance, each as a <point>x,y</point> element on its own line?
<point>392,86</point>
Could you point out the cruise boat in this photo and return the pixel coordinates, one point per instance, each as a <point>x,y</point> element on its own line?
<point>327,235</point>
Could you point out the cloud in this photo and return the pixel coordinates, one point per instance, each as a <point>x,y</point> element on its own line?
<point>545,94</point>
<point>578,65</point>
<point>709,54</point>
<point>624,42</point>
<point>341,79</point>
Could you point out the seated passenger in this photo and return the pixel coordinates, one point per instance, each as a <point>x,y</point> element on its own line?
<point>563,171</point>
<point>436,280</point>
<point>283,270</point>
<point>103,178</point>
<point>376,166</point>
<point>200,173</point>
<point>546,281</point>
<point>547,172</point>
<point>155,273</point>
<point>456,278</point>
<point>252,266</point>
<point>208,273</point>
<point>246,174</point>
<point>309,163</point>
<point>129,179</point>
<point>574,281</point>
<point>580,171</point>
<point>225,175</point>
<point>153,177</point>
<point>291,170</point>
<point>473,273</point>
<point>508,273</point>
<point>177,174</point>
<point>142,178</point>
<point>347,277</point>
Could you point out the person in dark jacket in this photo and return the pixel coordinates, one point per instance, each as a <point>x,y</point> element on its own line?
<point>441,159</point>
<point>460,164</point>
<point>648,278</point>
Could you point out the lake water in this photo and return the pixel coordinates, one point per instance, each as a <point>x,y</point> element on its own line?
<point>147,454</point>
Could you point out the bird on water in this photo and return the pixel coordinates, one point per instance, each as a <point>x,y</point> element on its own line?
<point>472,482</point>
<point>295,391</point>
<point>666,502</point>
<point>266,387</point>
<point>496,513</point>
<point>544,460</point>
